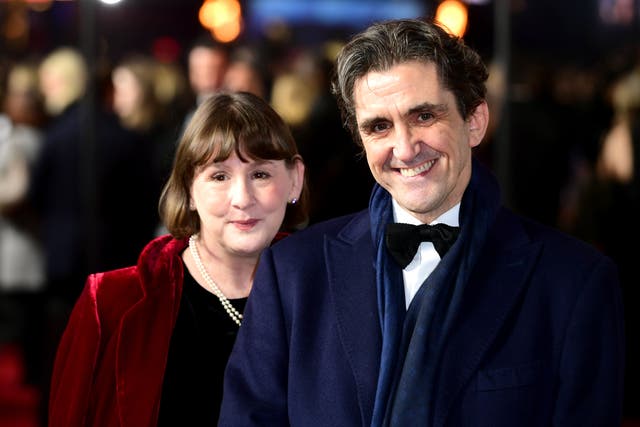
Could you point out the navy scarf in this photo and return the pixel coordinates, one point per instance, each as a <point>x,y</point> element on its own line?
<point>413,339</point>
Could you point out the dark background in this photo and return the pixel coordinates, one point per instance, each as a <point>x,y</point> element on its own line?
<point>566,29</point>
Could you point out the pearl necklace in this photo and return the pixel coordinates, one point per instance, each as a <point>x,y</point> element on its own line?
<point>233,313</point>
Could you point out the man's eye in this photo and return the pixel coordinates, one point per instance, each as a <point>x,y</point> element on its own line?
<point>425,117</point>
<point>379,127</point>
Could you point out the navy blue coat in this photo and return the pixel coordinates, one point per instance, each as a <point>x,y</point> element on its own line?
<point>539,340</point>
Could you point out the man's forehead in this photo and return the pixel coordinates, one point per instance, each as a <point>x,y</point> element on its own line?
<point>403,87</point>
<point>409,72</point>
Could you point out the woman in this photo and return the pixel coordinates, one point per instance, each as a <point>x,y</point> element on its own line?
<point>140,111</point>
<point>147,345</point>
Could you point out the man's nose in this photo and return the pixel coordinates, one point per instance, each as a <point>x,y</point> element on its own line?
<point>405,145</point>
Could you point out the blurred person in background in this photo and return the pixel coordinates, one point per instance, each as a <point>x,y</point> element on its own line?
<point>21,265</point>
<point>337,171</point>
<point>610,194</point>
<point>134,95</point>
<point>88,189</point>
<point>137,104</point>
<point>247,72</point>
<point>21,253</point>
<point>173,94</point>
<point>54,189</point>
<point>339,177</point>
<point>165,327</point>
<point>207,63</point>
<point>81,224</point>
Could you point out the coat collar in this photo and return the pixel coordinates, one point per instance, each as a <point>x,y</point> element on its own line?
<point>145,332</point>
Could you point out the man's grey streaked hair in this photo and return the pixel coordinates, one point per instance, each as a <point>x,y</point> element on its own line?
<point>389,43</point>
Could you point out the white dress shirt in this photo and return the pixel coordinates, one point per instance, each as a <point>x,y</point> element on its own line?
<point>426,258</point>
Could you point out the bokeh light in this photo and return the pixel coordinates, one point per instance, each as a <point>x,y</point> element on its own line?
<point>166,49</point>
<point>452,14</point>
<point>39,5</point>
<point>223,18</point>
<point>16,25</point>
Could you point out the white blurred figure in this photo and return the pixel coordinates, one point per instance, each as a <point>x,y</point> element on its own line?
<point>21,259</point>
<point>22,270</point>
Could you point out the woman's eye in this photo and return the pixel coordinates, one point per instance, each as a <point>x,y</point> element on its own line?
<point>261,175</point>
<point>219,177</point>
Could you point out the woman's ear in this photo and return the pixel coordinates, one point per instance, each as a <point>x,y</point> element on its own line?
<point>477,124</point>
<point>297,173</point>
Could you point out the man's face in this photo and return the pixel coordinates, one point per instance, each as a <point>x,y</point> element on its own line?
<point>206,69</point>
<point>418,146</point>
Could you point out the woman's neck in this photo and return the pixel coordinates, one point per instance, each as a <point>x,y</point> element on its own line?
<point>233,275</point>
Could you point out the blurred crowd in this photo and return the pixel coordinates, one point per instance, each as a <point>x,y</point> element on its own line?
<point>85,150</point>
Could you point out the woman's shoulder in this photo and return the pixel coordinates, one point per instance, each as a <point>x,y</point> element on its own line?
<point>158,263</point>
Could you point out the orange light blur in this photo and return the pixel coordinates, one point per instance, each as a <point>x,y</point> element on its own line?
<point>452,14</point>
<point>16,26</point>
<point>39,5</point>
<point>228,32</point>
<point>222,17</point>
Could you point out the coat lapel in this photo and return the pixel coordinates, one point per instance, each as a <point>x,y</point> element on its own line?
<point>353,290</point>
<point>143,345</point>
<point>488,300</point>
<point>141,358</point>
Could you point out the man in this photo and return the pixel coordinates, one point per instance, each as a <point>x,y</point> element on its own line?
<point>207,64</point>
<point>515,325</point>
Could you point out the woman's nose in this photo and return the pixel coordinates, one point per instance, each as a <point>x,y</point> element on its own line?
<point>241,193</point>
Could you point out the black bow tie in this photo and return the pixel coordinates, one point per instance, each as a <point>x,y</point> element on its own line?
<point>403,240</point>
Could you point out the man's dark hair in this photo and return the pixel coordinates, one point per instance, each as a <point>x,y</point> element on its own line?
<point>386,44</point>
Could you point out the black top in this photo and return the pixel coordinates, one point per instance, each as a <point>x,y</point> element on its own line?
<point>200,346</point>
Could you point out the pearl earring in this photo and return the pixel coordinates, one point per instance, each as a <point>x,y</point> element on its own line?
<point>294,201</point>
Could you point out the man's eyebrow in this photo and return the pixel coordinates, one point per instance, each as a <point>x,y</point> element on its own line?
<point>428,106</point>
<point>425,106</point>
<point>369,123</point>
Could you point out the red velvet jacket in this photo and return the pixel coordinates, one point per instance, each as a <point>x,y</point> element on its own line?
<point>110,362</point>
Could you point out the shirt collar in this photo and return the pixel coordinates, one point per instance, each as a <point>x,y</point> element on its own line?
<point>450,217</point>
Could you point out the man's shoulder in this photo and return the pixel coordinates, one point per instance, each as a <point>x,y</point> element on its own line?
<point>348,228</point>
<point>557,244</point>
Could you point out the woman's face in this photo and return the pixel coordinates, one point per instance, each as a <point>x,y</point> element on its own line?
<point>127,93</point>
<point>241,205</point>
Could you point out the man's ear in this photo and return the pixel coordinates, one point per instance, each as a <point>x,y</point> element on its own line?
<point>477,124</point>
